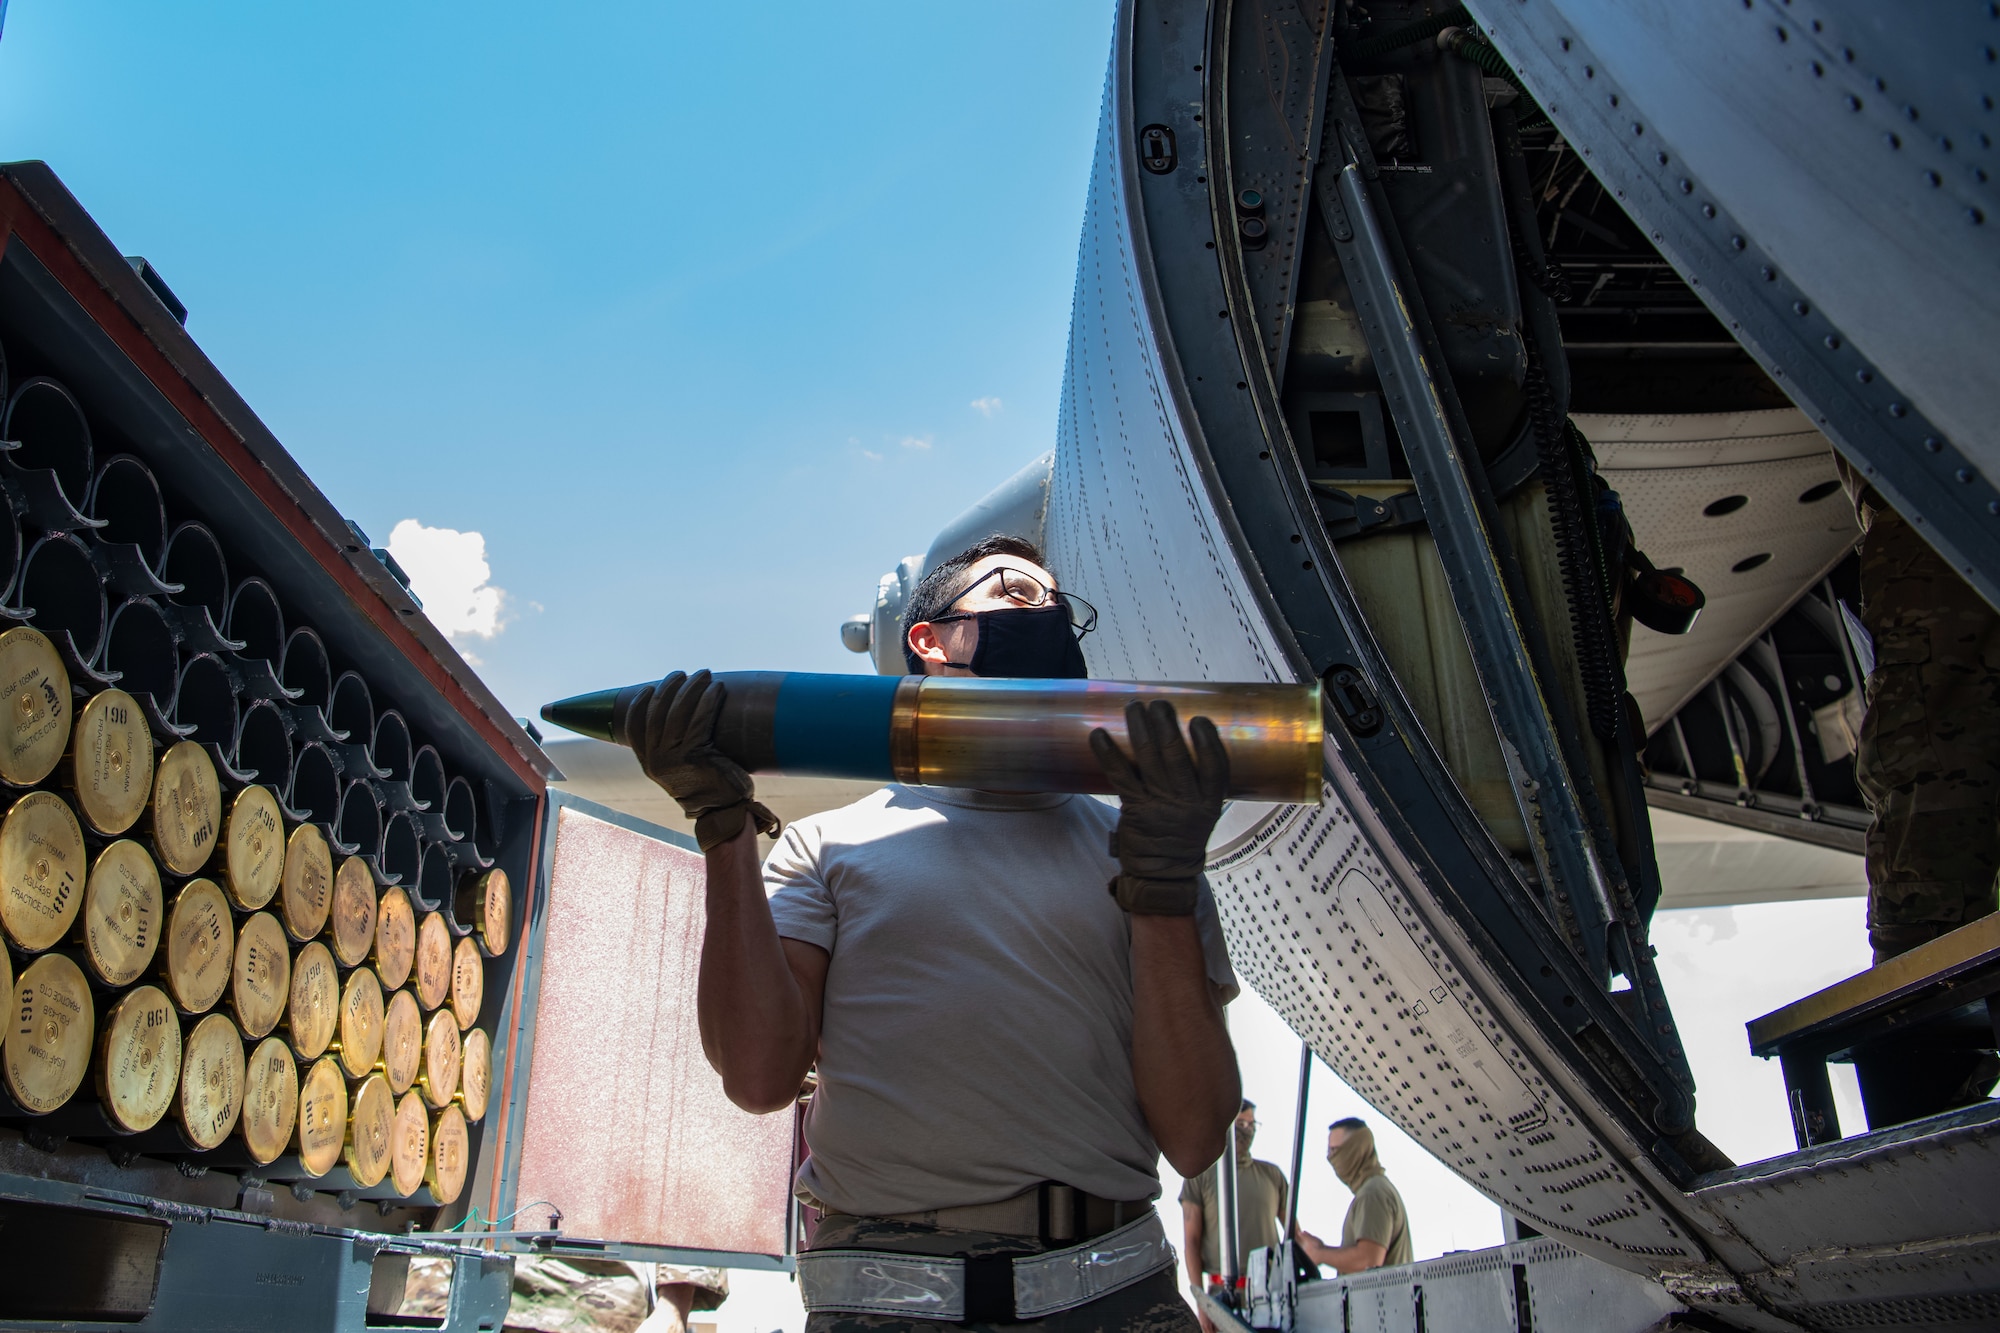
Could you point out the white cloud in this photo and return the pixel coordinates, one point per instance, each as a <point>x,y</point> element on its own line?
<point>986,407</point>
<point>916,441</point>
<point>871,455</point>
<point>449,574</point>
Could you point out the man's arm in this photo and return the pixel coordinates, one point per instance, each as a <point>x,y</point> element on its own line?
<point>1358,1257</point>
<point>759,996</point>
<point>1191,1229</point>
<point>1182,1062</point>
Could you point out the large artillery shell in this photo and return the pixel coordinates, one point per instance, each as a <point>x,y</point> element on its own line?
<point>41,871</point>
<point>402,1042</point>
<point>270,1100</point>
<point>111,759</point>
<point>314,1009</point>
<point>35,706</point>
<point>468,982</point>
<point>371,1122</point>
<point>322,1117</point>
<point>395,937</point>
<point>201,946</point>
<point>122,907</point>
<point>361,1012</point>
<point>410,1144</point>
<point>485,904</point>
<point>433,967</point>
<point>475,1077</point>
<point>306,887</point>
<point>261,981</point>
<point>49,1034</point>
<point>451,1153</point>
<point>187,808</point>
<point>139,1059</point>
<point>351,921</point>
<point>253,848</point>
<point>443,1056</point>
<point>212,1072</point>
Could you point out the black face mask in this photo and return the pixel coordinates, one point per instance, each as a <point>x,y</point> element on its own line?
<point>1030,644</point>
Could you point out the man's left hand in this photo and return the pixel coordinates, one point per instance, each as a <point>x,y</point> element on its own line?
<point>1170,799</point>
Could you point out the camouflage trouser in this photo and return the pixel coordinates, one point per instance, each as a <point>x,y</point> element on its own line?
<point>1929,759</point>
<point>1151,1306</point>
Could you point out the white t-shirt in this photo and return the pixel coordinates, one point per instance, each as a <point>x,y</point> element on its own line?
<point>977,1032</point>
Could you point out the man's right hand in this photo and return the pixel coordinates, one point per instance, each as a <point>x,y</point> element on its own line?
<point>674,740</point>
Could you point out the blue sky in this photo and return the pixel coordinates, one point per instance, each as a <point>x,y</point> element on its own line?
<point>684,308</point>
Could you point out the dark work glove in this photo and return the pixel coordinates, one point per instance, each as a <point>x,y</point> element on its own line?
<point>1170,800</point>
<point>673,734</point>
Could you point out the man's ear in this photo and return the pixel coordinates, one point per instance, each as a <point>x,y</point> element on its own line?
<point>923,640</point>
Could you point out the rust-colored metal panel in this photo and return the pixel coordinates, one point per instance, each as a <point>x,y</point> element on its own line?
<point>627,1130</point>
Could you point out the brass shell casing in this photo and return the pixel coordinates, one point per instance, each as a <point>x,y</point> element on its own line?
<point>306,886</point>
<point>475,1075</point>
<point>409,1144</point>
<point>270,1100</point>
<point>139,1059</point>
<point>322,1125</point>
<point>433,966</point>
<point>212,1069</point>
<point>402,1042</point>
<point>468,982</point>
<point>123,905</point>
<point>35,707</point>
<point>111,761</point>
<point>49,1034</point>
<point>351,919</point>
<point>261,982</point>
<point>359,1044</point>
<point>41,871</point>
<point>395,938</point>
<point>253,848</point>
<point>371,1124</point>
<point>443,1055</point>
<point>187,808</point>
<point>450,1154</point>
<point>201,946</point>
<point>485,903</point>
<point>313,1012</point>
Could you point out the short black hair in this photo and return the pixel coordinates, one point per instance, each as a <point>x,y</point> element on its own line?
<point>1248,1105</point>
<point>1351,1123</point>
<point>942,586</point>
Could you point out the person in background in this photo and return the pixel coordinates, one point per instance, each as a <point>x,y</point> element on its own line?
<point>1377,1230</point>
<point>1260,1209</point>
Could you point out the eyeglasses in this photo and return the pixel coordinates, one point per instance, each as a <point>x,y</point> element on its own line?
<point>1025,590</point>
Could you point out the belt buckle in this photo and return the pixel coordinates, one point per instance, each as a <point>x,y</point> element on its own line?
<point>1060,1221</point>
<point>989,1289</point>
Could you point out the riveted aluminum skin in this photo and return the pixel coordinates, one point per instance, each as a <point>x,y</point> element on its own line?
<point>475,1075</point>
<point>322,1126</point>
<point>433,965</point>
<point>49,1034</point>
<point>139,1059</point>
<point>123,906</point>
<point>444,1053</point>
<point>41,871</point>
<point>468,981</point>
<point>371,1123</point>
<point>313,1011</point>
<point>270,1100</point>
<point>111,762</point>
<point>360,1042</point>
<point>306,885</point>
<point>395,949</point>
<point>261,982</point>
<point>486,904</point>
<point>351,920</point>
<point>402,1042</point>
<point>409,1144</point>
<point>35,708</point>
<point>211,1095</point>
<point>451,1153</point>
<point>187,808</point>
<point>201,946</point>
<point>253,848</point>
